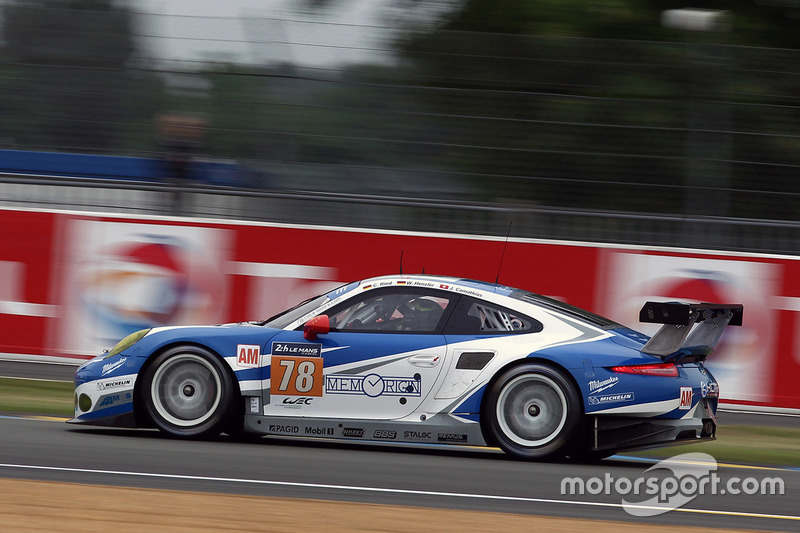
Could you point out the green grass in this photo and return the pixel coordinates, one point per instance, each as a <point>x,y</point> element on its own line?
<point>762,445</point>
<point>53,398</point>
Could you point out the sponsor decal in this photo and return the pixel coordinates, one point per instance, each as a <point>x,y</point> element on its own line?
<point>745,359</point>
<point>343,289</point>
<point>280,428</point>
<point>596,386</point>
<point>114,384</point>
<point>318,431</point>
<point>353,432</point>
<point>373,385</point>
<point>709,389</point>
<point>419,435</point>
<point>254,401</point>
<point>120,277</point>
<point>248,355</point>
<point>451,437</point>
<point>295,403</point>
<point>611,398</point>
<point>114,399</point>
<point>297,349</point>
<point>686,398</point>
<point>384,434</point>
<point>110,367</point>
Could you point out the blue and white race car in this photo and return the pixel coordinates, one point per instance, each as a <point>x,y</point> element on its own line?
<point>422,359</point>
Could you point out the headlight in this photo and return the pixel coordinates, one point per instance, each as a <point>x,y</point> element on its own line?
<point>127,342</point>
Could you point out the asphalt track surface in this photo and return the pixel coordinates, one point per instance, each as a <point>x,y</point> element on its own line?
<point>431,476</point>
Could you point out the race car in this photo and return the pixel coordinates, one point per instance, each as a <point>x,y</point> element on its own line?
<point>423,359</point>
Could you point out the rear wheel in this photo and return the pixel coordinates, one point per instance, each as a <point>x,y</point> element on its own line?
<point>533,412</point>
<point>188,392</point>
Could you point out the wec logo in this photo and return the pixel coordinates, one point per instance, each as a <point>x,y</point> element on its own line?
<point>297,401</point>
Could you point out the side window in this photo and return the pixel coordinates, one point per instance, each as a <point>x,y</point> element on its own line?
<point>392,311</point>
<point>475,317</point>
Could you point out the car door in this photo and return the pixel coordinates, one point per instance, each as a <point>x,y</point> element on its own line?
<point>477,332</point>
<point>381,359</point>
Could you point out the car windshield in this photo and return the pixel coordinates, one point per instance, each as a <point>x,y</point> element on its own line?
<point>284,318</point>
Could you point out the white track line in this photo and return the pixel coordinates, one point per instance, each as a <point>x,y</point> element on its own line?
<point>391,491</point>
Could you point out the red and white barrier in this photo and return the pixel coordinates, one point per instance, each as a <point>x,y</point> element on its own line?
<point>71,284</point>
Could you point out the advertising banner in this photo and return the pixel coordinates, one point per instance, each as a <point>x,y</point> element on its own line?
<point>71,285</point>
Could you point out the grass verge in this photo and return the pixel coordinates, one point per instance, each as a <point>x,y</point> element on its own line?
<point>53,398</point>
<point>763,445</point>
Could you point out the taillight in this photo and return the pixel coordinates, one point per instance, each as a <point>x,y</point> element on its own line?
<point>667,370</point>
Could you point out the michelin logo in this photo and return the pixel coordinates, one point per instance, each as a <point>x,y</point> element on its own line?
<point>611,398</point>
<point>114,384</point>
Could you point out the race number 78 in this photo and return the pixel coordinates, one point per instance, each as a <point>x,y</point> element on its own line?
<point>296,376</point>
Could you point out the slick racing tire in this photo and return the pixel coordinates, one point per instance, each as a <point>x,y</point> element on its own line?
<point>533,412</point>
<point>188,392</point>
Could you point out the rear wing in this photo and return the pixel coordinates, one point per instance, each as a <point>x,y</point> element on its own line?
<point>696,326</point>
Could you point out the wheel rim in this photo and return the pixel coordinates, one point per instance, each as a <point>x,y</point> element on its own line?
<point>186,390</point>
<point>531,410</point>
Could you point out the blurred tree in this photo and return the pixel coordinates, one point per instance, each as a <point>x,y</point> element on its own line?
<point>72,59</point>
<point>573,103</point>
<point>95,33</point>
<point>587,103</point>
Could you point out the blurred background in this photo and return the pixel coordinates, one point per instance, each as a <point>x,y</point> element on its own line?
<point>628,121</point>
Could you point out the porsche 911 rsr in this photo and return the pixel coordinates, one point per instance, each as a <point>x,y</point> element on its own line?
<point>422,359</point>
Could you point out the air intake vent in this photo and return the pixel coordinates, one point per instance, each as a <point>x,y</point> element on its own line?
<point>474,360</point>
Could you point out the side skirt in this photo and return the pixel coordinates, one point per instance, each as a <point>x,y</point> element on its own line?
<point>437,430</point>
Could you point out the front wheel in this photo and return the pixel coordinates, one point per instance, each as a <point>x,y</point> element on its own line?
<point>188,392</point>
<point>533,412</point>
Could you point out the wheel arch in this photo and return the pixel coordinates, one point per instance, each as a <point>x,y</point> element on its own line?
<point>487,434</point>
<point>140,411</point>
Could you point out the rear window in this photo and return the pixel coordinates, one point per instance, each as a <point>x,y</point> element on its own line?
<point>567,309</point>
<point>478,317</point>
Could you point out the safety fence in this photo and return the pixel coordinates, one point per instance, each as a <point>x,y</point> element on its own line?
<point>385,212</point>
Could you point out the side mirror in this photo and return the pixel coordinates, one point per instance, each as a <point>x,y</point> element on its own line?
<point>319,325</point>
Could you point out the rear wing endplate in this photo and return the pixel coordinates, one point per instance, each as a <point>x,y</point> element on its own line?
<point>687,325</point>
